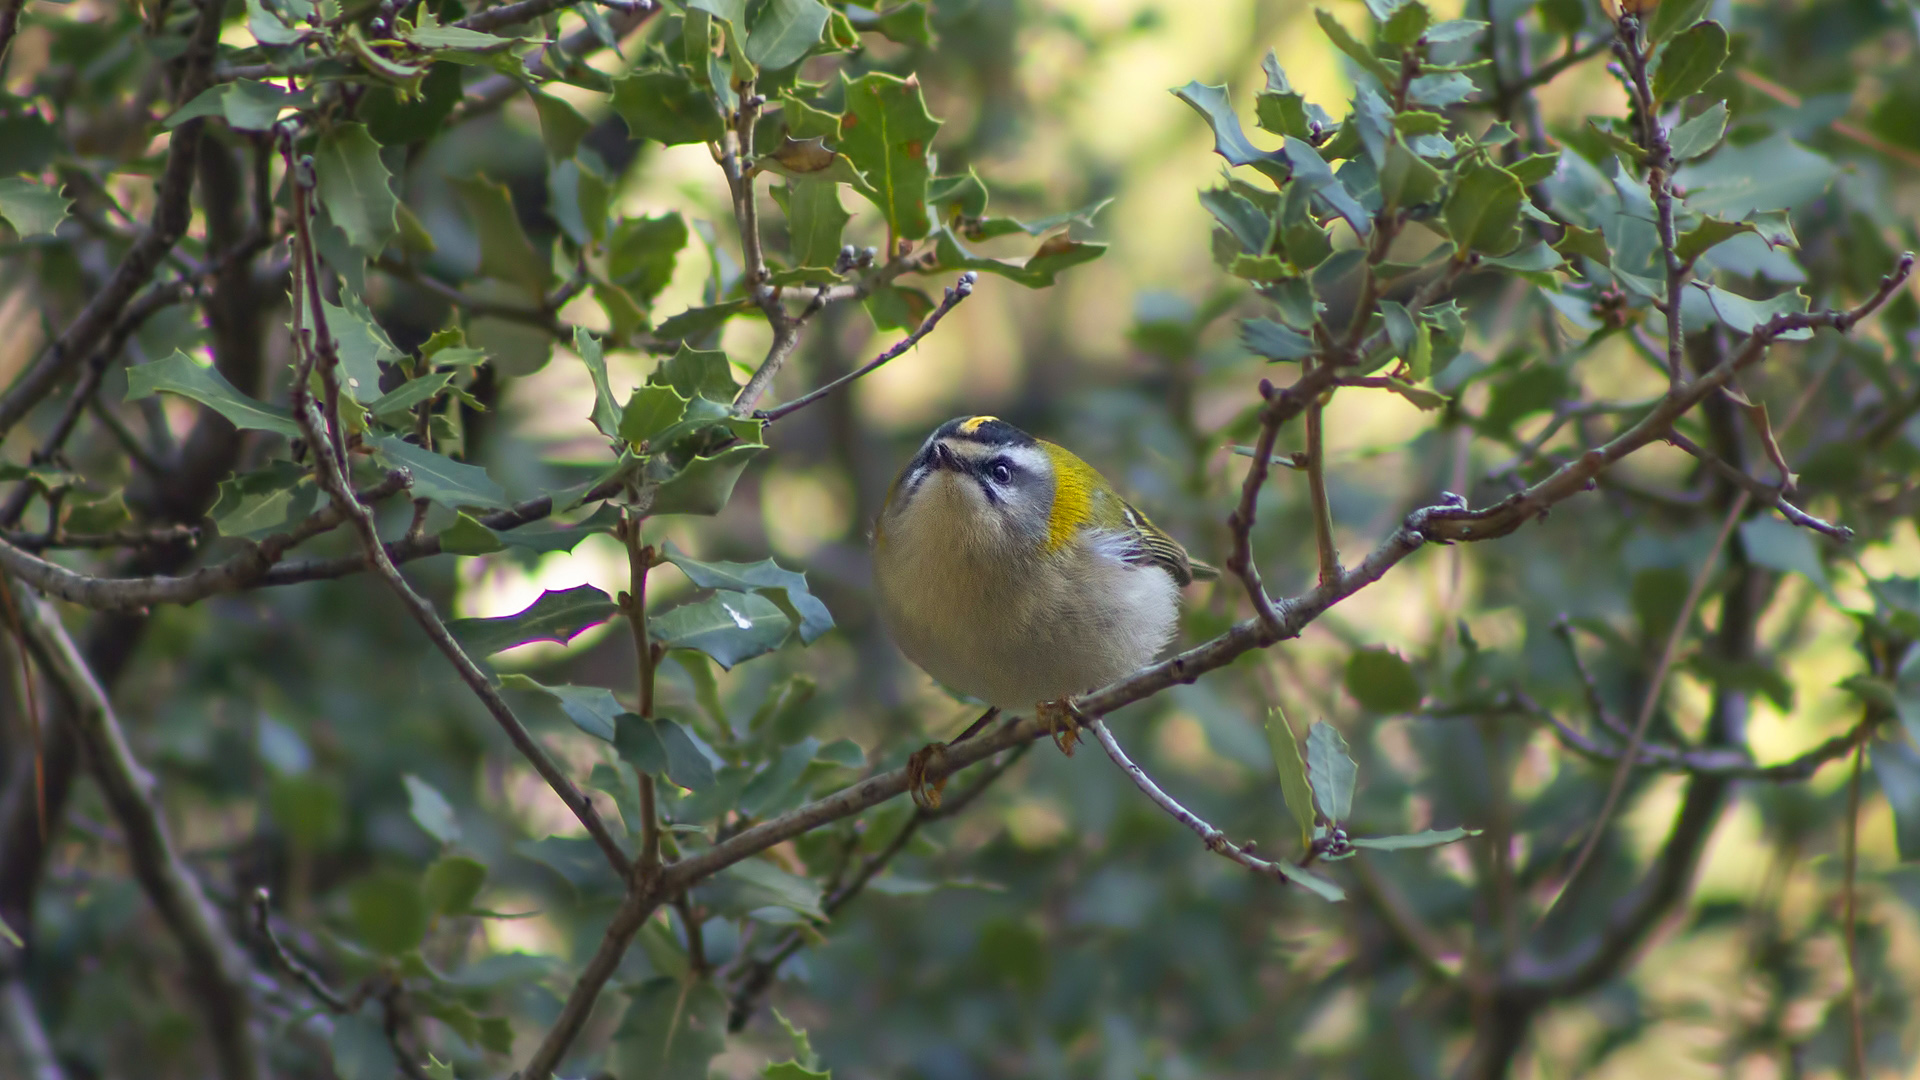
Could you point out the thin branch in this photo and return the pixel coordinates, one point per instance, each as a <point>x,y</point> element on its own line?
<point>758,976</point>
<point>1762,492</point>
<point>216,965</point>
<point>1215,840</point>
<point>1726,762</point>
<point>304,975</point>
<point>19,1016</point>
<point>541,317</point>
<point>173,212</point>
<point>1632,49</point>
<point>1328,555</point>
<point>1650,703</point>
<point>640,561</point>
<point>635,909</point>
<point>1579,474</point>
<point>525,10</point>
<point>323,438</point>
<point>1856,1005</point>
<point>955,293</point>
<point>1550,70</point>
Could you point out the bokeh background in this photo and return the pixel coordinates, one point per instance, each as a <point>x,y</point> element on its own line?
<point>1062,926</point>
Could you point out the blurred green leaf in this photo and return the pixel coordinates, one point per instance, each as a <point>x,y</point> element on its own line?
<point>360,1048</point>
<point>1319,886</point>
<point>784,31</point>
<point>592,709</point>
<point>266,501</point>
<point>815,221</point>
<point>505,252</point>
<point>1689,60</point>
<point>1425,839</point>
<point>1382,682</point>
<point>1700,134</point>
<point>1897,767</point>
<point>650,411</point>
<point>1294,787</point>
<point>431,811</point>
<point>309,809</point>
<point>388,912</point>
<point>1483,211</point>
<point>451,884</point>
<point>751,884</point>
<point>672,1030</point>
<point>1331,771</point>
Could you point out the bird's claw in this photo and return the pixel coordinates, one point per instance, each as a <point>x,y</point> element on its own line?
<point>924,790</point>
<point>1061,720</point>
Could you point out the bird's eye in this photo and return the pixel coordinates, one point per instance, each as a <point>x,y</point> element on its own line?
<point>1001,473</point>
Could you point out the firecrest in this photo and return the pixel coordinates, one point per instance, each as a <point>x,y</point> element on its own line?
<point>1011,571</point>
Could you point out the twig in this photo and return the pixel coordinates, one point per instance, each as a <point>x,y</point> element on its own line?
<point>19,1017</point>
<point>759,974</point>
<point>955,293</point>
<point>525,10</point>
<point>1328,555</point>
<point>1214,840</point>
<point>1579,474</point>
<point>173,212</point>
<point>1628,44</point>
<point>1650,703</point>
<point>633,913</point>
<point>1856,1006</point>
<point>217,967</point>
<point>1762,492</point>
<point>1725,762</point>
<point>1840,127</point>
<point>329,464</point>
<point>634,605</point>
<point>541,317</point>
<point>304,975</point>
<point>119,538</point>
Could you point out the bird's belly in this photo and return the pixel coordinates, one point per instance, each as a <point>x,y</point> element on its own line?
<point>1051,637</point>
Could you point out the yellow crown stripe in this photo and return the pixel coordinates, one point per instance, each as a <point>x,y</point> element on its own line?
<point>975,424</point>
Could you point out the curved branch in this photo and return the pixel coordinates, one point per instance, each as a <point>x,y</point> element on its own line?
<point>216,965</point>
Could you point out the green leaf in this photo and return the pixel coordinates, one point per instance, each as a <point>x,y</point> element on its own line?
<point>267,27</point>
<point>1670,17</point>
<point>1536,169</point>
<point>1314,883</point>
<point>1360,54</point>
<point>388,911</point>
<point>785,587</point>
<point>266,501</point>
<point>1454,30</point>
<point>361,344</point>
<point>1294,787</point>
<point>427,33</point>
<point>32,208</point>
<point>672,1030</point>
<point>1331,770</point>
<point>815,221</point>
<point>1580,240</point>
<point>1689,60</point>
<point>1274,341</point>
<point>593,709</point>
<point>696,323</point>
<point>642,251</point>
<point>885,133</point>
<point>179,374</point>
<point>1483,211</point>
<point>451,884</point>
<point>352,184</point>
<point>650,411</point>
<point>557,616</point>
<point>728,626</point>
<point>697,373</point>
<point>440,478</point>
<point>466,536</point>
<point>806,121</point>
<point>1424,839</point>
<point>1897,767</point>
<point>751,884</point>
<point>803,1053</point>
<point>1696,241</point>
<point>1382,682</point>
<point>309,809</point>
<point>1700,134</point>
<point>360,1048</point>
<point>1057,253</point>
<point>785,31</point>
<point>1407,23</point>
<point>1406,179</point>
<point>667,107</point>
<point>686,765</point>
<point>1399,326</point>
<point>505,252</point>
<point>1775,173</point>
<point>902,23</point>
<point>704,484</point>
<point>431,811</point>
<point>401,399</point>
<point>1745,316</point>
<point>561,126</point>
<point>1790,549</point>
<point>244,104</point>
<point>1421,398</point>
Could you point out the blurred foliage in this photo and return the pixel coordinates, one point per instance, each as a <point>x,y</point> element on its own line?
<point>548,296</point>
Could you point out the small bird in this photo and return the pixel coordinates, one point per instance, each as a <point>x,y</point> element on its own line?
<point>1012,572</point>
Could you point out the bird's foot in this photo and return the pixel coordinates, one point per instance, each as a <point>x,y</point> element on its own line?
<point>924,790</point>
<point>1061,719</point>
